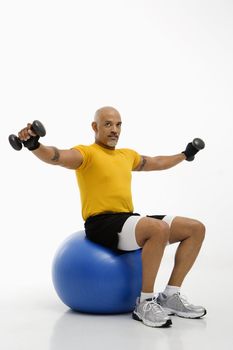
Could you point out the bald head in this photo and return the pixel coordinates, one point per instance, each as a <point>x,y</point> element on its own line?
<point>107,127</point>
<point>105,112</point>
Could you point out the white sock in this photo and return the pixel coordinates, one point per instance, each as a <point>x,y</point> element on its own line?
<point>170,290</point>
<point>145,296</point>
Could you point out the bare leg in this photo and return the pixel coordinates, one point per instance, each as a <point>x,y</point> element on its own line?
<point>152,235</point>
<point>190,233</point>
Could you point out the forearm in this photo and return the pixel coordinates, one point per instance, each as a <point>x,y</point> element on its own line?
<point>48,154</point>
<point>166,162</point>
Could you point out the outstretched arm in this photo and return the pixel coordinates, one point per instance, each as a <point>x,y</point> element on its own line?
<point>166,162</point>
<point>70,158</point>
<point>159,162</point>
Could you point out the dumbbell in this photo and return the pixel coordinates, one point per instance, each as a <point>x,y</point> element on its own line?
<point>198,144</point>
<point>37,127</point>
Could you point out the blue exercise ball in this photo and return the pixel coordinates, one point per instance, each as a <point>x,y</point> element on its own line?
<point>93,279</point>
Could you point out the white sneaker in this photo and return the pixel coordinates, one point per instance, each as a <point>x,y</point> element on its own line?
<point>151,313</point>
<point>179,305</point>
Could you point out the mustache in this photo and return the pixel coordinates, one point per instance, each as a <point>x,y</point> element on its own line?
<point>113,135</point>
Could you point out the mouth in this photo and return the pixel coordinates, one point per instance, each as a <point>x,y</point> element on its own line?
<point>113,137</point>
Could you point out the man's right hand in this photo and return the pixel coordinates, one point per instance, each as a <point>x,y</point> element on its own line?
<point>29,138</point>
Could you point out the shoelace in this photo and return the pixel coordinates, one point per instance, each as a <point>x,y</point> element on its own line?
<point>153,305</point>
<point>184,300</point>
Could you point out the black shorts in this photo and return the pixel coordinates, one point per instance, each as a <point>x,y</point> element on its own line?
<point>105,228</point>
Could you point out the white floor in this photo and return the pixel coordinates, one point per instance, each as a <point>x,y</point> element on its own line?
<point>32,317</point>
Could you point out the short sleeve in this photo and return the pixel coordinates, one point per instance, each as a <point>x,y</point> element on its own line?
<point>85,151</point>
<point>135,158</point>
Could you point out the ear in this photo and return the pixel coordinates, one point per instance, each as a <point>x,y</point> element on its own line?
<point>94,126</point>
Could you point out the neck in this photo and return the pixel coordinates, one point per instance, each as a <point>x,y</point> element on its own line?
<point>104,145</point>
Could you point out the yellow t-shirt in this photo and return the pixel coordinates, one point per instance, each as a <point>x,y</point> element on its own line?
<point>104,179</point>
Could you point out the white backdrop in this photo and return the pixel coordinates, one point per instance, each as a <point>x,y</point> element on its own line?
<point>165,65</point>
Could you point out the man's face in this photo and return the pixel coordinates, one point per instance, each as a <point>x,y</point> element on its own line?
<point>107,127</point>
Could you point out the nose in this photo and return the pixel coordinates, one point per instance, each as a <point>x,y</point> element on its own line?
<point>114,129</point>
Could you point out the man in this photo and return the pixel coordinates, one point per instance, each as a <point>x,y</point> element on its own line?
<point>104,178</point>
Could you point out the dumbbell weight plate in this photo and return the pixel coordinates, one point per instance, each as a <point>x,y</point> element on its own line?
<point>38,128</point>
<point>198,143</point>
<point>15,142</point>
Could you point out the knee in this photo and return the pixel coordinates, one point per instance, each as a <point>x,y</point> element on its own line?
<point>155,231</point>
<point>198,229</point>
<point>160,232</point>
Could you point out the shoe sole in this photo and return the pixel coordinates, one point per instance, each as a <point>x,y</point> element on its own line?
<point>183,314</point>
<point>150,324</point>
